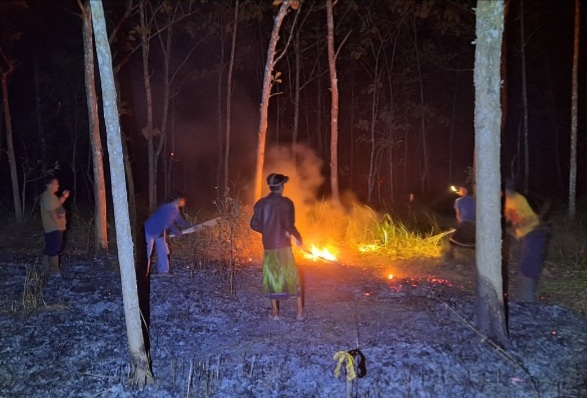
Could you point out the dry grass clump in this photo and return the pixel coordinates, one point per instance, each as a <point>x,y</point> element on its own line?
<point>32,296</point>
<point>565,269</point>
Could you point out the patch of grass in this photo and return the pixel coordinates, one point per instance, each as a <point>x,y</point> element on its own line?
<point>393,238</point>
<point>565,270</point>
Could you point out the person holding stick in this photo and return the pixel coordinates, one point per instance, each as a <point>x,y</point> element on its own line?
<point>274,218</point>
<point>166,217</point>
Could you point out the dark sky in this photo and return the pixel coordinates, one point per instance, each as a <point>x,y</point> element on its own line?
<point>51,34</point>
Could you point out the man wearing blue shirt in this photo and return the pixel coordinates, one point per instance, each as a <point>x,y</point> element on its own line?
<point>166,217</point>
<point>465,205</point>
<point>464,234</point>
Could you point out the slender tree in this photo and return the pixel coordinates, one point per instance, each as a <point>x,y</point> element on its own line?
<point>229,95</point>
<point>149,130</point>
<point>141,371</point>
<point>6,69</point>
<point>99,185</point>
<point>266,91</point>
<point>574,116</point>
<point>489,310</point>
<point>524,98</point>
<point>333,105</point>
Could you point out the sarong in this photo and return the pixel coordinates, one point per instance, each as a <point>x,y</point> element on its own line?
<point>281,278</point>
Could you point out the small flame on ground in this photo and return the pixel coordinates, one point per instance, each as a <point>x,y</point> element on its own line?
<point>323,253</point>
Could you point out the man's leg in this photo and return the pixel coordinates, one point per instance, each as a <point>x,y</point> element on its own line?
<point>150,242</point>
<point>162,255</point>
<point>301,313</point>
<point>533,249</point>
<point>275,309</point>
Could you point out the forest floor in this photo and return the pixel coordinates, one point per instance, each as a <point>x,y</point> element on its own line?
<point>416,332</point>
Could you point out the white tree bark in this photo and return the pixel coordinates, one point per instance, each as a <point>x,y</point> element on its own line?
<point>139,358</point>
<point>489,311</point>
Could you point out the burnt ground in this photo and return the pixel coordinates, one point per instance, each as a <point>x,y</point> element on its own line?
<point>415,330</point>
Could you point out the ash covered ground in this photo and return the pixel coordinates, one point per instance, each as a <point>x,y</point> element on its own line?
<point>414,331</point>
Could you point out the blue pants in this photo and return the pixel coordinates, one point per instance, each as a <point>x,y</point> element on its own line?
<point>162,252</point>
<point>53,243</point>
<point>533,250</point>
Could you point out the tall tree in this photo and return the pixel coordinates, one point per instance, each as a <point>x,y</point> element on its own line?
<point>489,309</point>
<point>333,105</point>
<point>149,130</point>
<point>141,370</point>
<point>524,98</point>
<point>99,185</point>
<point>7,66</point>
<point>266,91</point>
<point>574,116</point>
<point>229,96</point>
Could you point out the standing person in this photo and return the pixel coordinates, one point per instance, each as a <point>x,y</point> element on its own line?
<point>166,217</point>
<point>532,236</point>
<point>274,218</point>
<point>53,218</point>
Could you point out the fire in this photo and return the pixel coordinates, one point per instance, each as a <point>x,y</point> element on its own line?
<point>315,254</point>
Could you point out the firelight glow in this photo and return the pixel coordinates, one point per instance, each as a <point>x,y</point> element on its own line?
<point>366,248</point>
<point>323,253</point>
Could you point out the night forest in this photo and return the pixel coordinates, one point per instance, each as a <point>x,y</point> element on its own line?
<point>379,111</point>
<point>405,87</point>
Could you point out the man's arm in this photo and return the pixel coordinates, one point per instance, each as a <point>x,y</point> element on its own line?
<point>256,223</point>
<point>291,224</point>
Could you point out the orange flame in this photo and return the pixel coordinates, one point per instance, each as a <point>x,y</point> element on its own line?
<point>315,254</point>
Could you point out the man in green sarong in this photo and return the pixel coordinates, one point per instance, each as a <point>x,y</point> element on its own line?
<point>274,218</point>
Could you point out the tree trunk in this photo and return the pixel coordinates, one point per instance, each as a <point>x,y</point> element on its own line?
<point>10,146</point>
<point>229,97</point>
<point>524,98</point>
<point>267,84</point>
<point>148,131</point>
<point>574,114</point>
<point>334,106</point>
<point>40,126</point>
<point>424,175</point>
<point>504,69</point>
<point>297,88</point>
<point>100,220</point>
<point>489,309</point>
<point>374,101</point>
<point>141,370</point>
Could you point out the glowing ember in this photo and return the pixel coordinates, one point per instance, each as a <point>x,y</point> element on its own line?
<point>315,254</point>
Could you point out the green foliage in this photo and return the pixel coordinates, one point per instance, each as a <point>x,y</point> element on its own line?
<point>396,240</point>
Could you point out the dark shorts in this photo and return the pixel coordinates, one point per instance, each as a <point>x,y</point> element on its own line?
<point>53,243</point>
